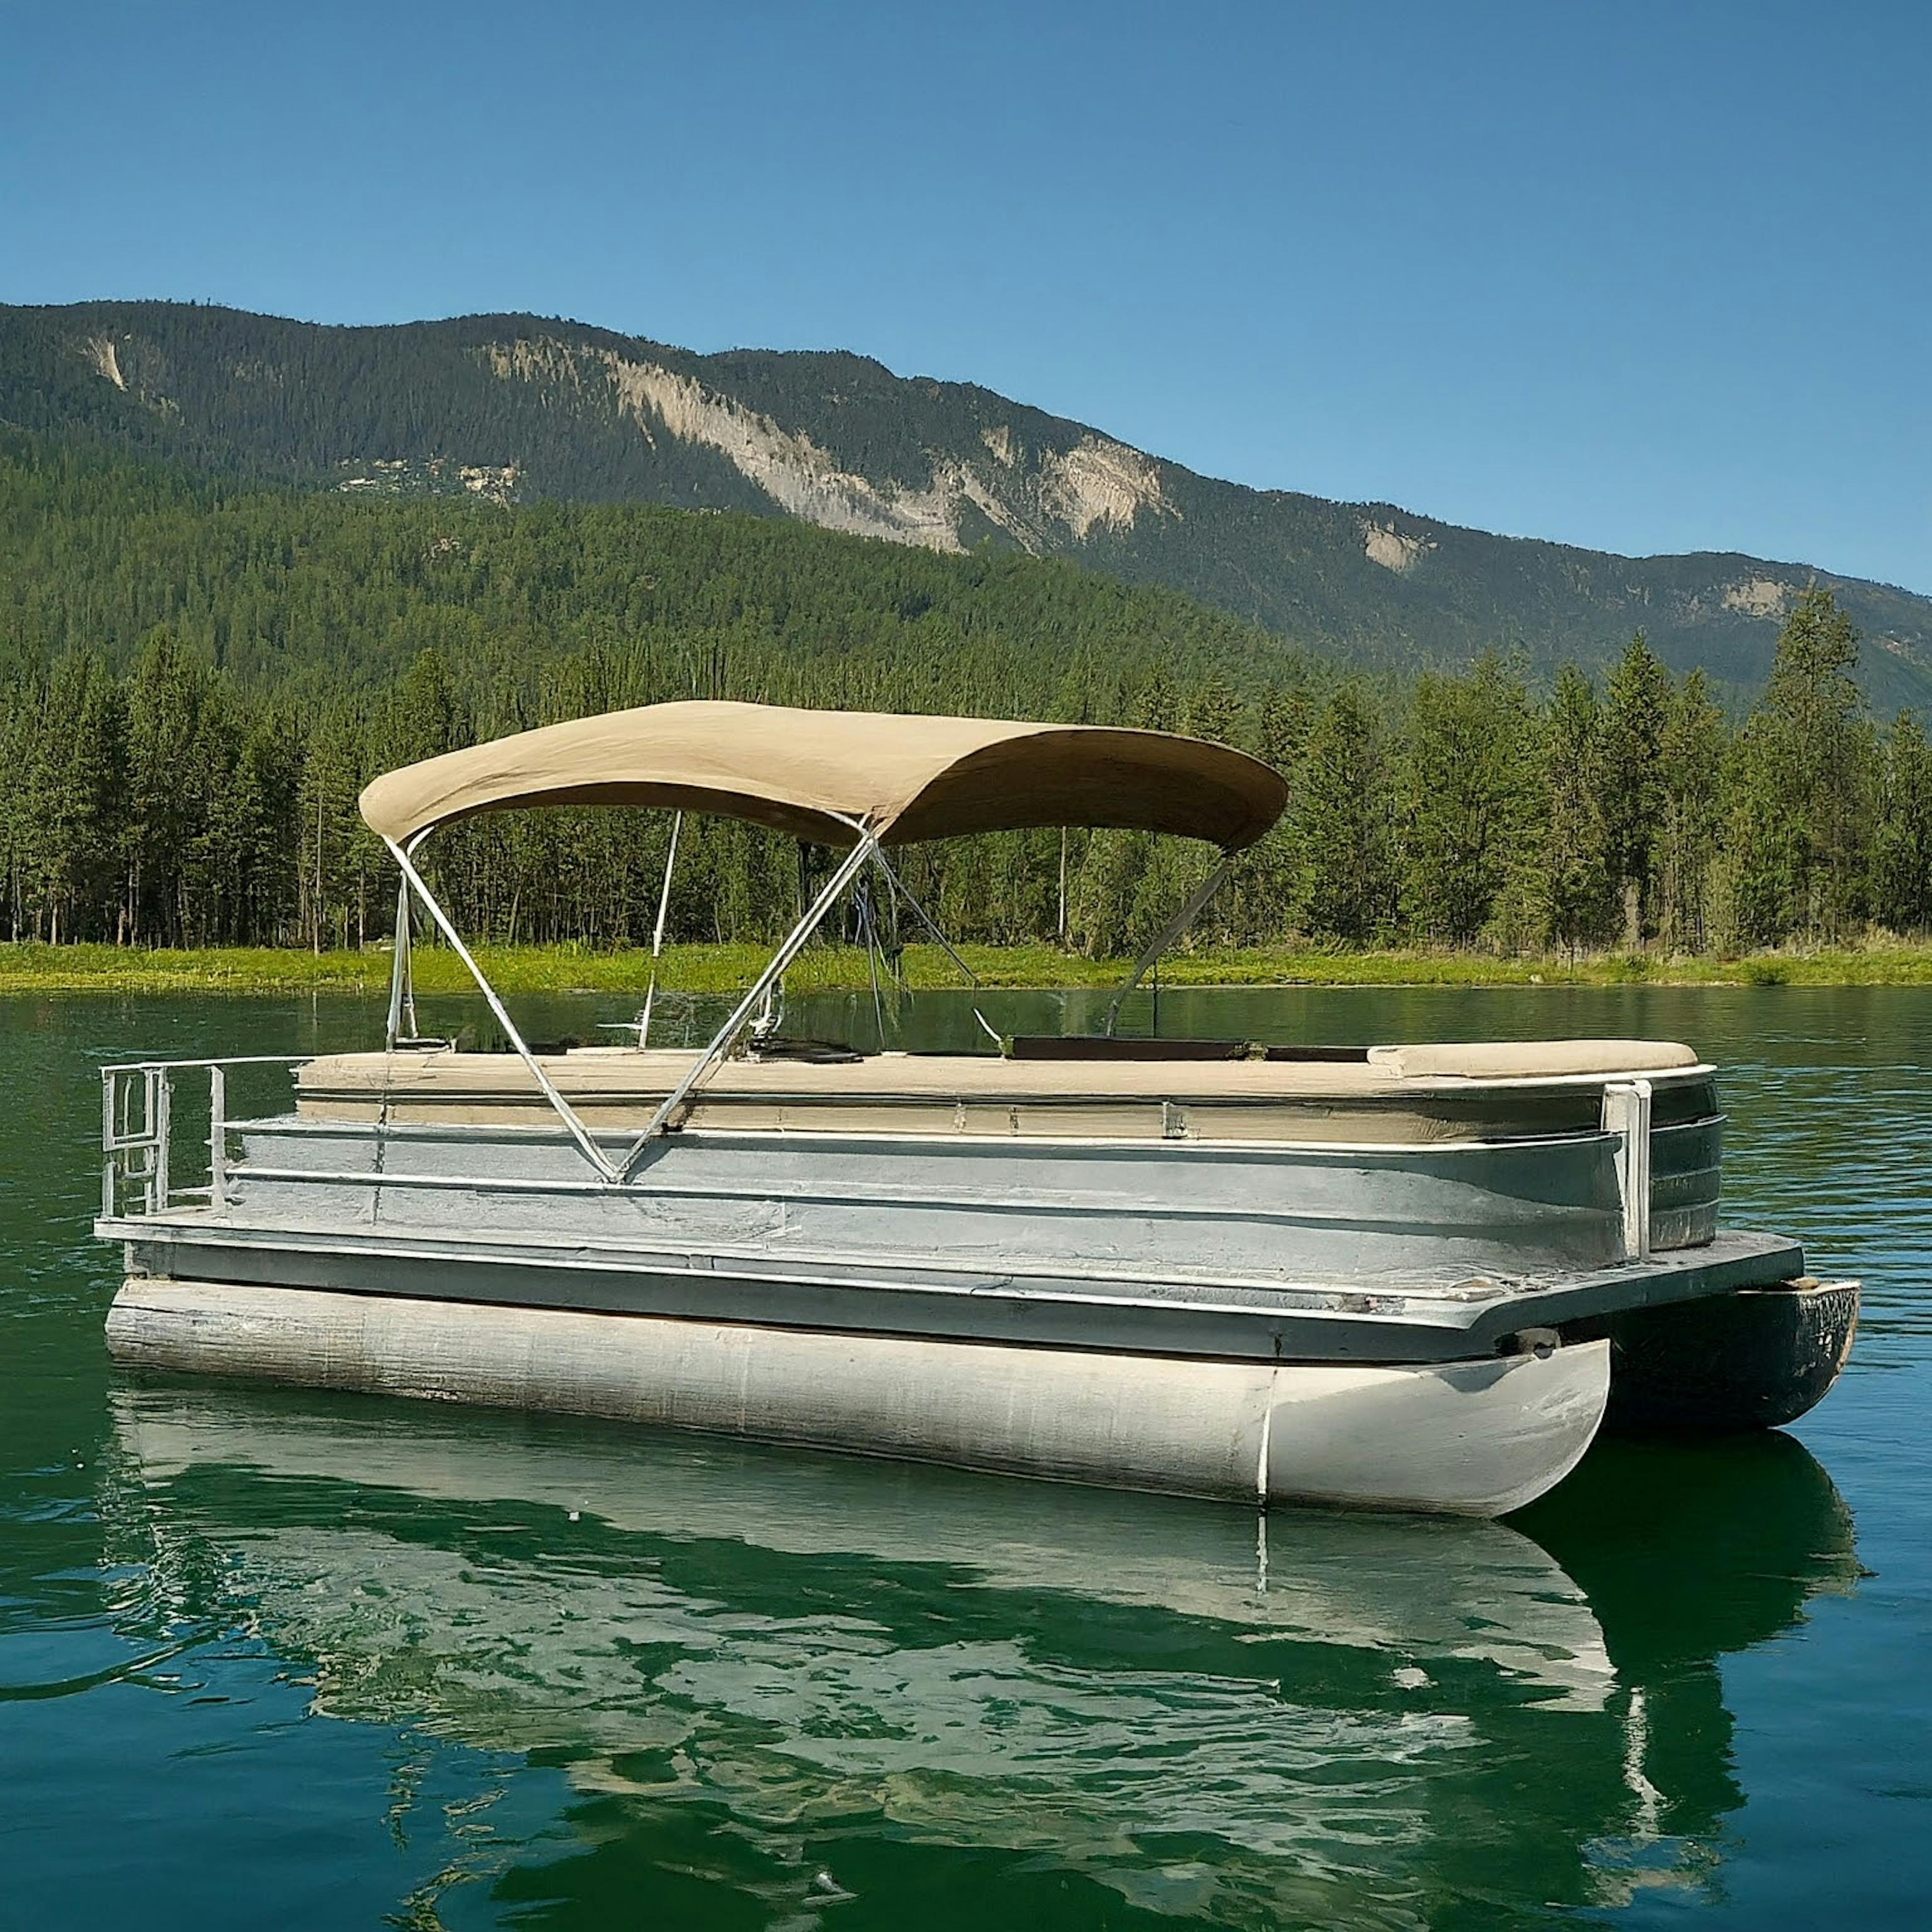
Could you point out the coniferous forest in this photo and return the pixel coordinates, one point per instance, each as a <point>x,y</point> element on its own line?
<point>196,680</point>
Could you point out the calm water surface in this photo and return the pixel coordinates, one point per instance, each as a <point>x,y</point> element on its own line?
<point>313,1661</point>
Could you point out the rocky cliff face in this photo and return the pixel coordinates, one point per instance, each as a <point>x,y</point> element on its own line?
<point>516,409</point>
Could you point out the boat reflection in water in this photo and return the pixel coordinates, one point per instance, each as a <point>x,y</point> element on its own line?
<point>798,1677</point>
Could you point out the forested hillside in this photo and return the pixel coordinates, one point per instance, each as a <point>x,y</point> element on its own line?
<point>195,681</point>
<point>326,594</point>
<point>518,409</point>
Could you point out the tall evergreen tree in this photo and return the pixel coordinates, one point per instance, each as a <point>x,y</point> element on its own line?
<point>253,832</point>
<point>1692,756</point>
<point>1632,779</point>
<point>168,770</point>
<point>1342,822</point>
<point>70,781</point>
<point>1573,875</point>
<point>1468,788</point>
<point>1901,846</point>
<point>335,857</point>
<point>1263,900</point>
<point>1802,797</point>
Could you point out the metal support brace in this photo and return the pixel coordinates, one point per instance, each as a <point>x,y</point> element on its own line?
<point>1626,1114</point>
<point>399,967</point>
<point>1191,909</point>
<point>932,924</point>
<point>161,1114</point>
<point>579,1132</point>
<point>720,1043</point>
<point>108,1137</point>
<point>217,1138</point>
<point>657,931</point>
<point>875,947</point>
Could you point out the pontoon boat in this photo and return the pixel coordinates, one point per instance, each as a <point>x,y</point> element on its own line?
<point>1406,1277</point>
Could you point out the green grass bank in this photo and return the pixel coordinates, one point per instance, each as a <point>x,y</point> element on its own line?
<point>27,968</point>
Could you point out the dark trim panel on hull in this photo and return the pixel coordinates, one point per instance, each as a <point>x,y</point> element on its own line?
<point>1756,1359</point>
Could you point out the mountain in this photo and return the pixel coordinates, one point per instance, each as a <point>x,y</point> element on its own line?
<point>515,408</point>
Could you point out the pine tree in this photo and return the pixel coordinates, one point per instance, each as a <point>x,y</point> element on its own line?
<point>1342,819</point>
<point>1802,797</point>
<point>1468,788</point>
<point>1692,755</point>
<point>335,852</point>
<point>1901,847</point>
<point>70,787</point>
<point>1573,880</point>
<point>1632,780</point>
<point>167,794</point>
<point>1263,899</point>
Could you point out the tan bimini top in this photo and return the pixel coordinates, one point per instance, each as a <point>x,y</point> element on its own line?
<point>821,775</point>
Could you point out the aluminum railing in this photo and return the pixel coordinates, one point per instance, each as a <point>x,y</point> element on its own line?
<point>137,1133</point>
<point>137,1136</point>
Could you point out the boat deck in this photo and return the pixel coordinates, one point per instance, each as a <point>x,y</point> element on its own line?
<point>1415,1320</point>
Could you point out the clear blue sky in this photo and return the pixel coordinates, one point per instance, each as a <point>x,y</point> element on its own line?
<point>1645,277</point>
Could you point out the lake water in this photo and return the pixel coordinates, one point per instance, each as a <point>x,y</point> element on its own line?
<point>302,1661</point>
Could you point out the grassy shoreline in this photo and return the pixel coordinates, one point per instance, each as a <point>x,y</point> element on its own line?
<point>27,967</point>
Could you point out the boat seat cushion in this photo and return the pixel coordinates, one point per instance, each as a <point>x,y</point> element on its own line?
<point>1530,1060</point>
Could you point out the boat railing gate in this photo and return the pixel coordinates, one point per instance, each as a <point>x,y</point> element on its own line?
<point>138,1133</point>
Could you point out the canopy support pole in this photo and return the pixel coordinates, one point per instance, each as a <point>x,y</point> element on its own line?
<point>399,967</point>
<point>1191,909</point>
<point>579,1132</point>
<point>721,1042</point>
<point>925,918</point>
<point>862,894</point>
<point>658,933</point>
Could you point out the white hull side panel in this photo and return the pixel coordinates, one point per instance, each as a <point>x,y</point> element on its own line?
<point>1475,1439</point>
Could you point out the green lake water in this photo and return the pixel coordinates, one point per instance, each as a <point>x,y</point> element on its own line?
<point>306,1661</point>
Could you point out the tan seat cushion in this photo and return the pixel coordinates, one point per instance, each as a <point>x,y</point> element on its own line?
<point>1531,1060</point>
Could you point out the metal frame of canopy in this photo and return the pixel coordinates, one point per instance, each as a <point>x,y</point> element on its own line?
<point>618,1172</point>
<point>406,837</point>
